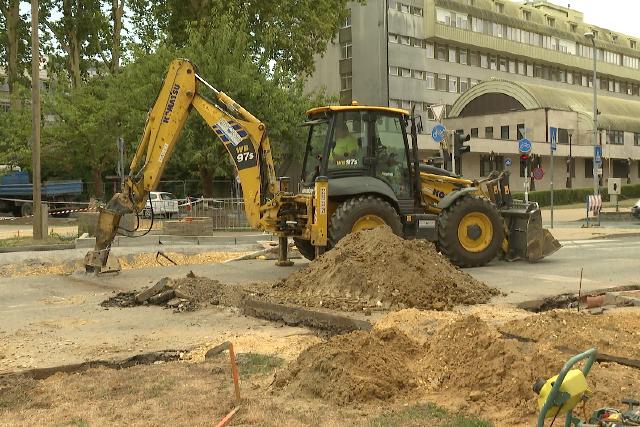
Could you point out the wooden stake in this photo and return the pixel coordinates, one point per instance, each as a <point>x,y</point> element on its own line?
<point>580,288</point>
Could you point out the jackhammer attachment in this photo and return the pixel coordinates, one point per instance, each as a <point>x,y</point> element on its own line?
<point>526,237</point>
<point>99,260</point>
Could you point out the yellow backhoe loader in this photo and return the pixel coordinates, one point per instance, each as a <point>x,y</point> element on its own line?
<point>360,171</point>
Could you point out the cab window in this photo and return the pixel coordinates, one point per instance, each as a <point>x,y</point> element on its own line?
<point>348,145</point>
<point>391,154</point>
<point>315,147</point>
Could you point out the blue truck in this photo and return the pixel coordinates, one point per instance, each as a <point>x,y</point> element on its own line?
<point>16,193</point>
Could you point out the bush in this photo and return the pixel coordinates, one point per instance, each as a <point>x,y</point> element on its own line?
<point>569,196</point>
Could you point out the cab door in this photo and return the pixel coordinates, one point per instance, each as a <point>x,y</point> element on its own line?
<point>391,164</point>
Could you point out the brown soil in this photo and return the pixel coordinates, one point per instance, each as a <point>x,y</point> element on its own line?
<point>355,367</point>
<point>458,360</point>
<point>144,260</point>
<point>377,269</point>
<point>615,333</point>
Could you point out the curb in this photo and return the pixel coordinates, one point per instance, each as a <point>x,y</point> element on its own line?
<point>35,248</point>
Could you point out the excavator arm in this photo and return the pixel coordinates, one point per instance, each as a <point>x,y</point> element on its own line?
<point>243,135</point>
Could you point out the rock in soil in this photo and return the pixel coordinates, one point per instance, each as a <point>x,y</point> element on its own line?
<point>377,269</point>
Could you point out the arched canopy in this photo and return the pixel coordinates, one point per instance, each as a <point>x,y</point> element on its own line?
<point>500,96</point>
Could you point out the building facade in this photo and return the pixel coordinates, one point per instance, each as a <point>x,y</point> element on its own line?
<point>417,53</point>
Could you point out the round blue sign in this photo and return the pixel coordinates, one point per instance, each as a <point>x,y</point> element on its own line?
<point>438,133</point>
<point>524,146</point>
<point>507,162</point>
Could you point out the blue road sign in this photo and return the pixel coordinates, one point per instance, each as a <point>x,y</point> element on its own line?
<point>507,162</point>
<point>438,133</point>
<point>597,155</point>
<point>524,146</point>
<point>553,134</point>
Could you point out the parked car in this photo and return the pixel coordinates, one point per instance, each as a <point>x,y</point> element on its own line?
<point>635,210</point>
<point>163,203</point>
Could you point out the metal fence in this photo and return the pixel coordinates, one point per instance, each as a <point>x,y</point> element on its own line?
<point>227,214</point>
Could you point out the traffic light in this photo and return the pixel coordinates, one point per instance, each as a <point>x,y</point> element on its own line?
<point>458,144</point>
<point>459,149</point>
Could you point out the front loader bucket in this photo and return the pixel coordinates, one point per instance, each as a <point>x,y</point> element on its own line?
<point>527,238</point>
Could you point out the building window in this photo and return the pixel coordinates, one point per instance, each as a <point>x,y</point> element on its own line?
<point>393,38</point>
<point>416,11</point>
<point>490,163</point>
<point>474,59</point>
<point>493,62</point>
<point>526,15</point>
<point>620,168</point>
<point>633,44</point>
<point>500,7</point>
<point>442,53</point>
<point>530,70</point>
<point>616,137</point>
<point>345,81</point>
<point>441,82</point>
<point>463,56</point>
<point>405,40</point>
<point>464,84</point>
<point>347,20</point>
<point>405,72</point>
<point>588,167</point>
<point>452,54</point>
<point>563,136</point>
<point>474,132</point>
<point>393,71</point>
<point>488,132</point>
<point>512,66</point>
<point>521,68</point>
<point>551,21</point>
<point>502,63</point>
<point>431,80</point>
<point>484,62</point>
<point>418,74</point>
<point>504,132</point>
<point>453,84</point>
<point>346,50</point>
<point>520,131</point>
<point>430,49</point>
<point>636,138</point>
<point>574,27</point>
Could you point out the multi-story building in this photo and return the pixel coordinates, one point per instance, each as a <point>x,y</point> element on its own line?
<point>518,59</point>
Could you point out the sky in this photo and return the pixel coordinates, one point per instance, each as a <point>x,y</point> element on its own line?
<point>616,15</point>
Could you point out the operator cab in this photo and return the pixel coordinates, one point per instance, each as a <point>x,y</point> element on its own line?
<point>362,150</point>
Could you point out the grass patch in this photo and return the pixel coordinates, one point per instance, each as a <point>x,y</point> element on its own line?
<point>79,422</point>
<point>427,414</point>
<point>255,363</point>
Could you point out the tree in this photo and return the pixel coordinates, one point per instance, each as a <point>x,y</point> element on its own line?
<point>76,26</point>
<point>284,33</point>
<point>14,47</point>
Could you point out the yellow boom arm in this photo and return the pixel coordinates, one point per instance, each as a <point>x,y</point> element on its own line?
<point>243,135</point>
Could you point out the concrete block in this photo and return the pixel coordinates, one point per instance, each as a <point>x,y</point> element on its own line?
<point>153,290</point>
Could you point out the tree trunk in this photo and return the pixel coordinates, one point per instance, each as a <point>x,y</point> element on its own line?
<point>74,45</point>
<point>117,11</point>
<point>12,17</point>
<point>207,181</point>
<point>98,185</point>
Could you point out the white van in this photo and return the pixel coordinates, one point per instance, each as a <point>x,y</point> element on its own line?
<point>165,204</point>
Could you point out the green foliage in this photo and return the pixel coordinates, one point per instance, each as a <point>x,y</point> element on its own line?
<point>15,132</point>
<point>576,195</point>
<point>427,414</point>
<point>255,363</point>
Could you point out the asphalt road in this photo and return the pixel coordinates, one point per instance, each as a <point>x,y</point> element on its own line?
<point>53,320</point>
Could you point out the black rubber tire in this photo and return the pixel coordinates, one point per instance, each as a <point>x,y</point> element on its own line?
<point>349,211</point>
<point>26,209</point>
<point>305,248</point>
<point>16,211</point>
<point>448,222</point>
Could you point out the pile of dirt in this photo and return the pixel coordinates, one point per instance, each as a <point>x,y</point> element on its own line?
<point>377,269</point>
<point>355,367</point>
<point>616,333</point>
<point>184,294</point>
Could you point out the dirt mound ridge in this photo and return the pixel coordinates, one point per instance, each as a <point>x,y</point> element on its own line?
<point>376,268</point>
<point>355,367</point>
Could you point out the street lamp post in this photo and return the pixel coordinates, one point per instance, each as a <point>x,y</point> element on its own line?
<point>591,36</point>
<point>569,161</point>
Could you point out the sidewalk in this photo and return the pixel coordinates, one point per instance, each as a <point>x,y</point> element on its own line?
<point>569,225</point>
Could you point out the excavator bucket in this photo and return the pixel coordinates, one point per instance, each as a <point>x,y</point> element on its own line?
<point>527,239</point>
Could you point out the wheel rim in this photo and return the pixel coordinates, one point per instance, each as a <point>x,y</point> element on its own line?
<point>367,222</point>
<point>475,232</point>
